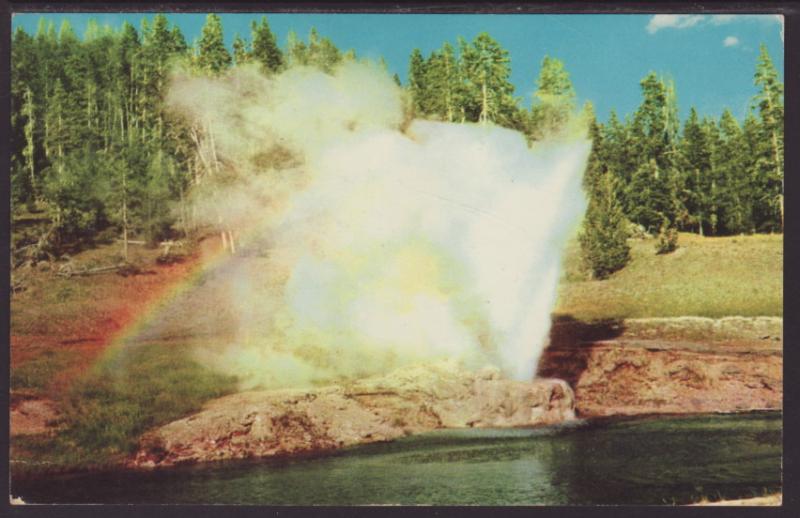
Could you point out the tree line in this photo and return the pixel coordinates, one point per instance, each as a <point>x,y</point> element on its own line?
<point>94,147</point>
<point>649,172</point>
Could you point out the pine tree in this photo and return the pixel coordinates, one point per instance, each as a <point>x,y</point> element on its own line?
<point>322,53</point>
<point>416,81</point>
<point>554,99</point>
<point>68,55</point>
<point>651,193</point>
<point>619,157</point>
<point>125,73</point>
<point>486,69</point>
<point>769,161</point>
<point>651,125</point>
<point>265,47</point>
<point>25,111</point>
<point>98,79</point>
<point>443,92</point>
<point>597,163</point>
<point>155,213</point>
<point>453,83</point>
<point>753,194</point>
<point>712,139</point>
<point>213,57</point>
<point>296,51</point>
<point>351,57</point>
<point>240,53</point>
<point>696,167</point>
<point>652,153</point>
<point>177,43</point>
<point>74,194</point>
<point>728,163</point>
<point>158,52</point>
<point>603,240</point>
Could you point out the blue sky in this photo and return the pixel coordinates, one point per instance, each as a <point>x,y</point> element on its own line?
<point>711,58</point>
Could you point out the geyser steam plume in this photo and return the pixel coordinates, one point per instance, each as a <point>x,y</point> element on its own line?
<point>386,246</point>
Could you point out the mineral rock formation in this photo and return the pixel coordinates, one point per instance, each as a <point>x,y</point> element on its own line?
<point>681,365</point>
<point>269,423</point>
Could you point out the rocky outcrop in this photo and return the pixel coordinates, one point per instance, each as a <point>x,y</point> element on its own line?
<point>642,366</point>
<point>622,369</point>
<point>704,329</point>
<point>412,400</point>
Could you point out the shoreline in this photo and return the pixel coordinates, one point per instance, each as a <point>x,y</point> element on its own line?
<point>124,466</point>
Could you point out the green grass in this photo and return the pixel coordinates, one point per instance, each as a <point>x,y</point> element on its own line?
<point>711,277</point>
<point>130,391</point>
<point>37,373</point>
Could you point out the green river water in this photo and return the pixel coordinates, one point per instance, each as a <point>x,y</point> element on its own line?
<point>665,460</point>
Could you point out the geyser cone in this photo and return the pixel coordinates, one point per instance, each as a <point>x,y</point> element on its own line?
<point>387,247</point>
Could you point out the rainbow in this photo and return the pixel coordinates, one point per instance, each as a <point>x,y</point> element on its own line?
<point>206,259</point>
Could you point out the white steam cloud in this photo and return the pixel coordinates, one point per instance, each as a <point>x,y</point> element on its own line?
<point>387,242</point>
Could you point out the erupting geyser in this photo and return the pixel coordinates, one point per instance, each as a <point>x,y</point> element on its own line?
<point>388,243</point>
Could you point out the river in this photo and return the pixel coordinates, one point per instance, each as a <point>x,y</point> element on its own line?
<point>664,460</point>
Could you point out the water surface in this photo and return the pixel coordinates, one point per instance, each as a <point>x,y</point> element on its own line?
<point>670,460</point>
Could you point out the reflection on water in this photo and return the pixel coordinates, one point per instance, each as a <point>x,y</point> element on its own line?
<point>641,461</point>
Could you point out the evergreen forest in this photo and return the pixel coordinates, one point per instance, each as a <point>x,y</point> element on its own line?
<point>96,154</point>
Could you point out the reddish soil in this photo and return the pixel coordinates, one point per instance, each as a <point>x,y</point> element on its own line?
<point>89,321</point>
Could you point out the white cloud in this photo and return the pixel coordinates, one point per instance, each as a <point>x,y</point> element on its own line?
<point>684,21</point>
<point>673,21</point>
<point>730,41</point>
<point>722,19</point>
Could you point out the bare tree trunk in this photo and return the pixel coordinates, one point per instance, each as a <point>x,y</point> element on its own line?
<point>213,147</point>
<point>184,224</point>
<point>227,235</point>
<point>212,166</point>
<point>89,106</point>
<point>30,129</point>
<point>484,118</point>
<point>777,153</point>
<point>124,215</point>
<point>224,236</point>
<point>449,96</point>
<point>231,242</point>
<point>60,145</point>
<point>200,154</point>
<point>121,123</point>
<point>132,94</point>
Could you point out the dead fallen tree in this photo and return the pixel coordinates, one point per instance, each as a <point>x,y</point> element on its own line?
<point>123,269</point>
<point>167,252</point>
<point>34,252</point>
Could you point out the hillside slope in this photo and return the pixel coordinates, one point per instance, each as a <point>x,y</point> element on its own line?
<point>710,277</point>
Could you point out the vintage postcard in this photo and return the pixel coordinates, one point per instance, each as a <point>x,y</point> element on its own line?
<point>377,259</point>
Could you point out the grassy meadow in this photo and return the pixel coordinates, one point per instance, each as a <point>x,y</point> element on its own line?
<point>706,276</point>
<point>128,391</point>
